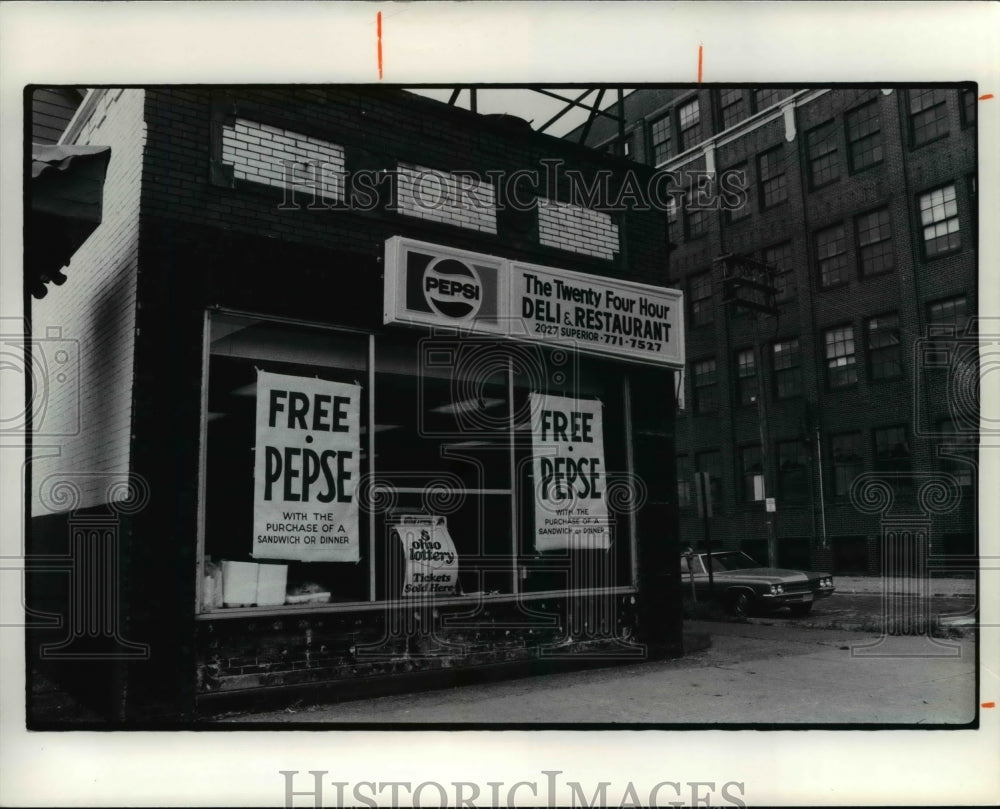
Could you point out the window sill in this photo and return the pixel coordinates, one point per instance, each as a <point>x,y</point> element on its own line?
<point>838,285</point>
<point>826,184</point>
<point>371,606</point>
<point>768,207</point>
<point>935,139</point>
<point>864,276</point>
<point>863,169</point>
<point>944,254</point>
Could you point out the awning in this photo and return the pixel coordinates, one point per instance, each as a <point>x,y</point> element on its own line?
<point>66,196</point>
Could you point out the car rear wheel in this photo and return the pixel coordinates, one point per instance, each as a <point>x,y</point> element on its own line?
<point>740,603</point>
<point>801,610</point>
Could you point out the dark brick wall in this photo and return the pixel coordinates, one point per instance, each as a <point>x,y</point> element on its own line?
<point>206,240</point>
<point>914,400</point>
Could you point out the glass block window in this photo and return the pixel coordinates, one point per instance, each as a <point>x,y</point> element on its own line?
<point>751,474</point>
<point>706,388</point>
<point>892,450</point>
<point>864,136</point>
<point>689,120</point>
<point>884,351</point>
<point>848,461</point>
<point>969,102</point>
<point>780,257</point>
<point>821,145</point>
<point>792,462</point>
<point>733,106</point>
<point>831,256</point>
<point>771,174</point>
<point>939,220</point>
<point>786,363</point>
<point>875,253</point>
<point>702,310</point>
<point>838,346</point>
<point>928,115</point>
<point>659,137</point>
<point>746,377</point>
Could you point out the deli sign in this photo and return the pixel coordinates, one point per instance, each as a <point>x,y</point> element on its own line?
<point>433,285</point>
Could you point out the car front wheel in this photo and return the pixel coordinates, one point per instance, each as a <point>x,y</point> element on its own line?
<point>740,604</point>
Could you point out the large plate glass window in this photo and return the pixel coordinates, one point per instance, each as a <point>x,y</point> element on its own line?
<point>265,545</point>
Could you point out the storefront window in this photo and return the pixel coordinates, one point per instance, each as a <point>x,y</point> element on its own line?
<point>308,487</point>
<point>442,448</point>
<point>507,465</point>
<point>574,481</point>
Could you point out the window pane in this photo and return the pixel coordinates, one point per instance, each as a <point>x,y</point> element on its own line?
<point>659,135</point>
<point>892,451</point>
<point>864,136</point>
<point>705,387</point>
<point>751,474</point>
<point>771,172</point>
<point>733,105</point>
<point>847,461</point>
<point>928,115</point>
<point>792,470</point>
<point>711,462</point>
<point>875,242</point>
<point>689,118</point>
<point>768,97</point>
<point>702,310</point>
<point>831,256</point>
<point>821,144</point>
<point>884,352</point>
<point>240,347</point>
<point>780,257</point>
<point>840,366</point>
<point>746,377</point>
<point>939,217</point>
<point>787,377</point>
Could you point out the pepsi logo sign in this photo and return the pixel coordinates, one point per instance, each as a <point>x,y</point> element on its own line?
<point>452,288</point>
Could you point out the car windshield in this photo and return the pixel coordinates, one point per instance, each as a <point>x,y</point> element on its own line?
<point>732,561</point>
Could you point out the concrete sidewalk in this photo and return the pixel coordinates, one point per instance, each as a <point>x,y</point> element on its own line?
<point>750,675</point>
<point>933,586</point>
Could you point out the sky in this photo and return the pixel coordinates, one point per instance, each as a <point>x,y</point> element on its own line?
<point>528,104</point>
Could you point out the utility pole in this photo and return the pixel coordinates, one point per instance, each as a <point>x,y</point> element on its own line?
<point>748,283</point>
<point>766,466</point>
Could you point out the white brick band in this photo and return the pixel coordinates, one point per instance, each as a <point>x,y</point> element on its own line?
<point>581,230</point>
<point>284,159</point>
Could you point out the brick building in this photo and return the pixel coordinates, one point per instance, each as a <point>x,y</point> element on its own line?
<point>862,202</point>
<point>317,326</point>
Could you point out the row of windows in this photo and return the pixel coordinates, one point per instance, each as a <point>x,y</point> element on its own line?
<point>882,342</point>
<point>873,249</point>
<point>845,460</point>
<point>682,127</point>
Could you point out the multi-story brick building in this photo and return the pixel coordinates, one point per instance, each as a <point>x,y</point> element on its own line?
<point>863,201</point>
<point>254,381</point>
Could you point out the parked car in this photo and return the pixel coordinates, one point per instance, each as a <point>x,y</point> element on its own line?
<point>743,585</point>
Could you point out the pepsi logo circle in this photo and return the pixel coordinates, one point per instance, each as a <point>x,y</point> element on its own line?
<point>452,288</point>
